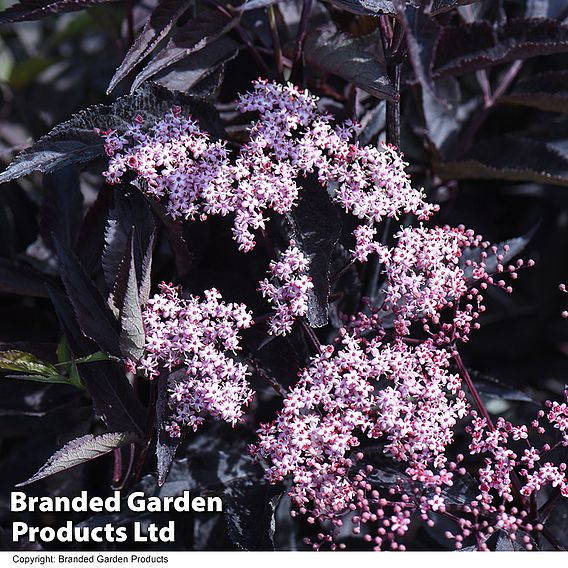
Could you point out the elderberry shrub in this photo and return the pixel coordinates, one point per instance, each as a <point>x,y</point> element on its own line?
<point>266,302</point>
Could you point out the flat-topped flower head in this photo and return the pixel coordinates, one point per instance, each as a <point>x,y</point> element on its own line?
<point>198,335</point>
<point>176,162</point>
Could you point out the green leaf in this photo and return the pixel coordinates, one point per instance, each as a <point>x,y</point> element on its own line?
<point>53,379</point>
<point>64,354</point>
<point>74,377</point>
<point>98,356</point>
<point>13,360</point>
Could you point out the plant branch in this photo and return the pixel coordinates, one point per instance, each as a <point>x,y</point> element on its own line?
<point>277,47</point>
<point>301,36</point>
<point>473,391</point>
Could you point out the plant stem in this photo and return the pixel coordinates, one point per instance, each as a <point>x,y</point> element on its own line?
<point>392,137</point>
<point>507,79</point>
<point>301,37</point>
<point>471,387</point>
<point>311,335</point>
<point>515,481</point>
<point>393,109</point>
<point>275,41</point>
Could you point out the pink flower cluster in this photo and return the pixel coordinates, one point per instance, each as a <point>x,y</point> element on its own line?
<point>431,269</point>
<point>197,334</point>
<point>289,295</point>
<point>177,163</point>
<point>404,396</point>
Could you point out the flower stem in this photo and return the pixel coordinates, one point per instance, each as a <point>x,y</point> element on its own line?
<point>471,387</point>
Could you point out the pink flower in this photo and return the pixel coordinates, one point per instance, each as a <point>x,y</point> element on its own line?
<point>197,334</point>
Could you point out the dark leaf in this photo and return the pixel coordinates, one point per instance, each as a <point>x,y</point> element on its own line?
<point>90,244</point>
<point>36,9</point>
<point>76,141</point>
<point>439,6</point>
<point>512,157</point>
<point>80,451</point>
<point>369,7</point>
<point>422,33</point>
<point>18,279</point>
<point>249,509</point>
<point>514,247</point>
<point>546,91</point>
<point>478,45</point>
<point>161,21</point>
<point>188,72</point>
<point>93,315</point>
<point>174,231</point>
<point>166,446</point>
<point>339,54</point>
<point>206,27</point>
<point>393,7</point>
<point>316,227</point>
<point>492,388</point>
<point>132,337</point>
<point>130,210</point>
<point>109,388</point>
<point>446,114</point>
<point>146,273</point>
<point>13,360</point>
<point>546,9</point>
<point>503,543</point>
<point>61,206</point>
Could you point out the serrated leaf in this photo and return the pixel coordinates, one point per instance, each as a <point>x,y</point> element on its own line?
<point>146,273</point>
<point>477,45</point>
<point>368,7</point>
<point>130,210</point>
<point>75,141</point>
<point>440,6</point>
<point>347,57</point>
<point>93,314</point>
<point>161,21</point>
<point>61,206</point>
<point>546,91</point>
<point>393,7</point>
<point>316,229</point>
<point>166,446</point>
<point>112,395</point>
<point>422,33</point>
<point>194,35</point>
<point>79,451</point>
<point>36,9</point>
<point>132,337</point>
<point>14,360</point>
<point>249,507</point>
<point>188,72</point>
<point>540,155</point>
